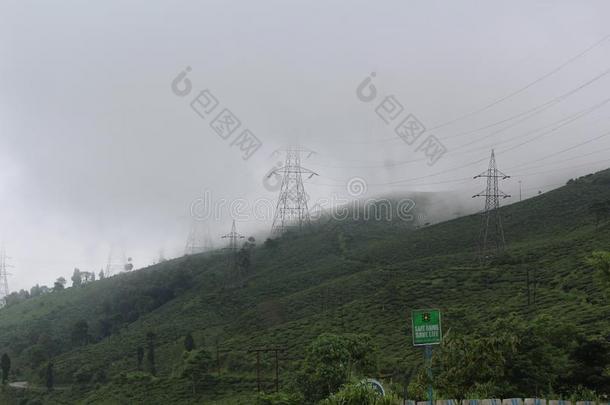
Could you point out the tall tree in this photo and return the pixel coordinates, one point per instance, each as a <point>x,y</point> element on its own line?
<point>60,284</point>
<point>49,377</point>
<point>600,209</point>
<point>140,354</point>
<point>189,342</point>
<point>197,365</point>
<point>77,278</point>
<point>80,333</point>
<point>601,262</point>
<point>5,363</point>
<point>245,257</point>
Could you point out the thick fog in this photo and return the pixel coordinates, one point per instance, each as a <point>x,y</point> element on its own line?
<point>103,144</point>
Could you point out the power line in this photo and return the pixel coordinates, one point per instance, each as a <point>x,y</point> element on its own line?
<point>522,89</point>
<point>467,179</point>
<point>481,160</point>
<point>563,150</point>
<point>535,110</point>
<point>555,125</point>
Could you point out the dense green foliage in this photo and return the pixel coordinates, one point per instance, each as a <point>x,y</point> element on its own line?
<point>514,357</point>
<point>331,361</point>
<point>359,394</point>
<point>104,341</point>
<point>5,366</point>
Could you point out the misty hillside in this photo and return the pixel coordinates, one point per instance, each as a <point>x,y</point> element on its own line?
<point>339,277</point>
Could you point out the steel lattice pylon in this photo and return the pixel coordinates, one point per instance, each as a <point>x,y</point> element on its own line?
<point>233,247</point>
<point>491,236</point>
<point>117,263</point>
<point>198,241</point>
<point>291,208</point>
<point>4,291</point>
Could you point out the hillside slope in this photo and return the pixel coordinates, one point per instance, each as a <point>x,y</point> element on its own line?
<point>342,277</point>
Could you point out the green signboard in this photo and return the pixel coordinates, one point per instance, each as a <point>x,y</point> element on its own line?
<point>426,327</point>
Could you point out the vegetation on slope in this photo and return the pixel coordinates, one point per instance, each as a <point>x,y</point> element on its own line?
<point>121,339</point>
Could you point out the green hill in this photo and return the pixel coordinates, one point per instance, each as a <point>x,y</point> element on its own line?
<point>341,277</point>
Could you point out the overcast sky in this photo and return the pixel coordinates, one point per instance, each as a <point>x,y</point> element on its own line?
<point>97,150</point>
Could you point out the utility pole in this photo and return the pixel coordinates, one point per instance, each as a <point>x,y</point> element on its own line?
<point>291,208</point>
<point>491,232</point>
<point>217,358</point>
<point>528,286</point>
<point>219,351</point>
<point>520,194</point>
<point>4,291</point>
<point>276,351</point>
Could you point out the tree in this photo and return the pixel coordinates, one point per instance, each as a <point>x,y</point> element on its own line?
<point>270,243</point>
<point>140,354</point>
<point>150,355</point>
<point>35,291</point>
<point>5,364</point>
<point>77,278</point>
<point>189,342</point>
<point>600,260</point>
<point>244,256</point>
<point>80,333</point>
<point>510,358</point>
<point>16,297</point>
<point>330,362</point>
<point>60,284</point>
<point>600,209</point>
<point>49,376</point>
<point>101,274</point>
<point>590,365</point>
<point>196,366</point>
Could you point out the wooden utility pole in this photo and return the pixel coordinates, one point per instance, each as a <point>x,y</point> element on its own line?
<point>217,358</point>
<point>276,351</point>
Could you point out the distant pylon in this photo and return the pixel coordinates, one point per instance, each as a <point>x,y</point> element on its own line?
<point>4,291</point>
<point>233,237</point>
<point>491,236</point>
<point>198,241</point>
<point>116,263</point>
<point>291,208</point>
<point>233,246</point>
<point>161,258</point>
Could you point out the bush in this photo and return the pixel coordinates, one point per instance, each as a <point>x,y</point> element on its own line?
<point>359,394</point>
<point>281,398</point>
<point>330,362</point>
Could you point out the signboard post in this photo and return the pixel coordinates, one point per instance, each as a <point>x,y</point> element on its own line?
<point>427,331</point>
<point>426,327</point>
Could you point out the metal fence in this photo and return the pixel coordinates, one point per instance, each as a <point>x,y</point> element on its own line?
<point>509,401</point>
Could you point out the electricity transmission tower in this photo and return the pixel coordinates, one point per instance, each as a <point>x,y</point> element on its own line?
<point>233,247</point>
<point>291,208</point>
<point>4,291</point>
<point>491,236</point>
<point>198,240</point>
<point>117,263</point>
